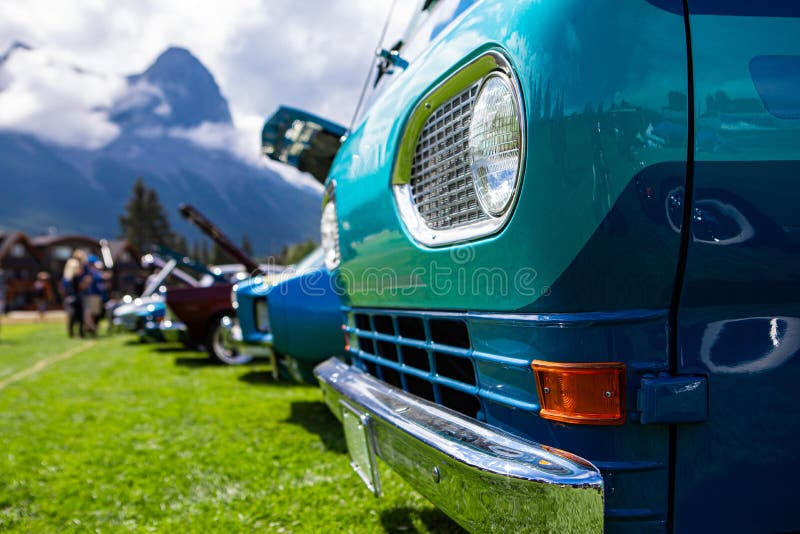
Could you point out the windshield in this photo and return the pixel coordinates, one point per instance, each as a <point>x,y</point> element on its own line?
<point>403,17</point>
<point>314,260</point>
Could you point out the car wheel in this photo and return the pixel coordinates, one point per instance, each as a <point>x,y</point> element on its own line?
<point>220,345</point>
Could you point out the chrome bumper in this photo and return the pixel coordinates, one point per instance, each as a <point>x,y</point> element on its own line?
<point>126,323</point>
<point>485,479</point>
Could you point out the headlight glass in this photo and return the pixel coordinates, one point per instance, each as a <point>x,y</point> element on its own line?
<point>329,235</point>
<point>262,315</point>
<point>495,143</point>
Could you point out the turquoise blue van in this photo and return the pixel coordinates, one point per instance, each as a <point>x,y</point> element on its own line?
<point>568,238</point>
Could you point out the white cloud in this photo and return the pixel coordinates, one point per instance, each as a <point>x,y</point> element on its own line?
<point>56,101</point>
<point>244,141</point>
<point>139,94</point>
<point>314,55</point>
<point>264,53</point>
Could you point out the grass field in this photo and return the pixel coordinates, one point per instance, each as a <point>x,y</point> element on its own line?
<point>120,436</point>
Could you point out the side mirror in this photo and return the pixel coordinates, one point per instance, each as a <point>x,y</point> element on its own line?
<point>302,140</point>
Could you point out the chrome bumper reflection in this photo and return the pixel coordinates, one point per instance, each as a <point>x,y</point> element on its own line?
<point>258,350</point>
<point>485,479</point>
<point>127,323</point>
<point>169,331</point>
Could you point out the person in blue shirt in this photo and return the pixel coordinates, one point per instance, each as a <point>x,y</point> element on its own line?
<point>98,289</point>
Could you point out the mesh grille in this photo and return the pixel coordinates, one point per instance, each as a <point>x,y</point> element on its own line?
<point>431,361</point>
<point>433,356</point>
<point>441,181</point>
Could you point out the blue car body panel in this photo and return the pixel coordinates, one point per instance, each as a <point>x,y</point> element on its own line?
<point>305,317</point>
<point>739,318</point>
<point>248,292</point>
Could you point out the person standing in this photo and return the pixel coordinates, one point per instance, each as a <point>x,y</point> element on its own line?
<point>73,304</point>
<point>101,282</point>
<point>42,293</point>
<point>91,293</point>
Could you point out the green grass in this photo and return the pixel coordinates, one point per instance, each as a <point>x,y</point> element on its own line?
<point>131,437</point>
<point>23,345</point>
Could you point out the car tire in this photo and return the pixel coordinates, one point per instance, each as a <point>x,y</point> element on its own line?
<point>219,343</point>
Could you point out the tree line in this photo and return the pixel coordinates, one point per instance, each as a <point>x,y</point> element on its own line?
<point>144,223</point>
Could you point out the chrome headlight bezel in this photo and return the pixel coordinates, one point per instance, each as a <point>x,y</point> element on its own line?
<point>329,234</point>
<point>475,73</point>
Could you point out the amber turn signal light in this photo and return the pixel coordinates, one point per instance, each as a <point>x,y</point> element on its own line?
<point>581,393</point>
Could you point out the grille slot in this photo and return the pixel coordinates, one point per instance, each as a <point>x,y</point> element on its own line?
<point>390,376</point>
<point>441,181</point>
<point>366,344</point>
<point>416,358</point>
<point>383,324</point>
<point>411,327</point>
<point>449,332</point>
<point>455,367</point>
<point>420,388</point>
<point>387,350</point>
<point>362,321</point>
<point>460,401</point>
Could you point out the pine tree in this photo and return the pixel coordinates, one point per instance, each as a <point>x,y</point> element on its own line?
<point>196,251</point>
<point>219,256</point>
<point>247,246</point>
<point>204,255</point>
<point>180,244</point>
<point>145,222</point>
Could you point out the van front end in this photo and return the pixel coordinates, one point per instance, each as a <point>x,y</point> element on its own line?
<point>516,224</point>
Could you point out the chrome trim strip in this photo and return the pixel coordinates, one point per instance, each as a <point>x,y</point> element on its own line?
<point>543,319</point>
<point>482,477</point>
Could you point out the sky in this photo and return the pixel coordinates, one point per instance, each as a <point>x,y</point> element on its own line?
<point>311,54</point>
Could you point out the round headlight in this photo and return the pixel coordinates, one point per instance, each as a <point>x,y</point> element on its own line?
<point>329,235</point>
<point>495,144</point>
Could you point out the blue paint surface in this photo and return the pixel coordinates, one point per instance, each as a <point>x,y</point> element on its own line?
<point>777,79</point>
<point>304,313</point>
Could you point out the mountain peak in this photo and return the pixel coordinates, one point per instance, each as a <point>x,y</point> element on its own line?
<point>176,58</point>
<point>176,90</point>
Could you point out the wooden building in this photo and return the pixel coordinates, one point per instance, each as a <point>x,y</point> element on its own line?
<point>20,261</point>
<point>22,258</point>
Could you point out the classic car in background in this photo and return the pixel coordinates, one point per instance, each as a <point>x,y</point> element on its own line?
<point>293,318</point>
<point>568,234</point>
<point>146,314</point>
<point>207,310</point>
